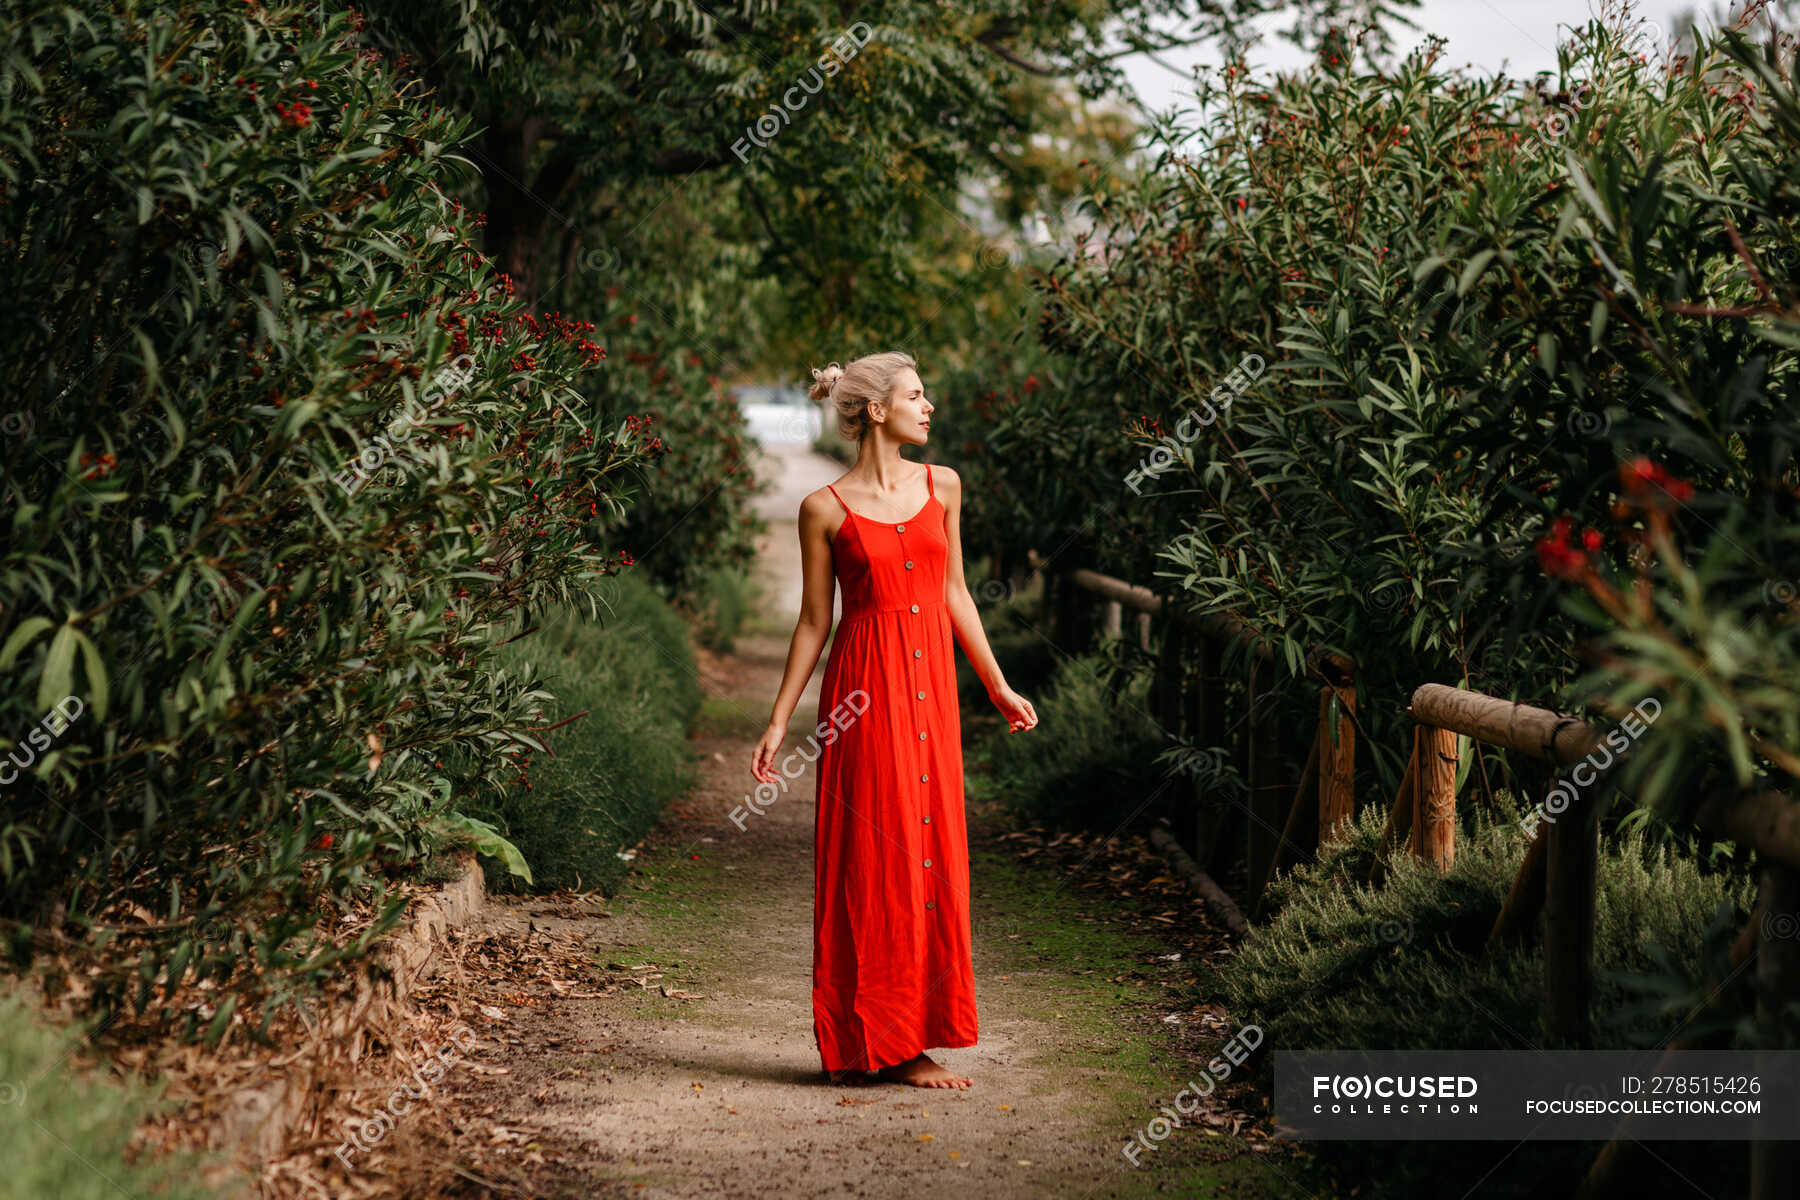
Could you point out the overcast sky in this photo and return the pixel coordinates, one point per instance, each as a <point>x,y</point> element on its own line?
<point>1517,35</point>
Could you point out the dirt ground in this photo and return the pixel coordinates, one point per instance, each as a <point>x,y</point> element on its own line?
<point>661,1042</point>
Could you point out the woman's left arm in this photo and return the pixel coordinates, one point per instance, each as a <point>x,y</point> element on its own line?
<point>965,618</point>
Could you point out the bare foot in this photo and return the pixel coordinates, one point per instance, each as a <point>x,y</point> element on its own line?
<point>920,1071</point>
<point>848,1078</point>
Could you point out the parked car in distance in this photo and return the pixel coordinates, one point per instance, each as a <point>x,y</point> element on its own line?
<point>779,414</point>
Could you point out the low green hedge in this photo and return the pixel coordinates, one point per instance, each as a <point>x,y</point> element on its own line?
<point>1091,759</point>
<point>723,604</point>
<point>1400,967</point>
<point>632,671</point>
<point>66,1135</point>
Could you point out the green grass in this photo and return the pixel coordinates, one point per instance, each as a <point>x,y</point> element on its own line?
<point>615,768</point>
<point>64,1134</point>
<point>1071,954</point>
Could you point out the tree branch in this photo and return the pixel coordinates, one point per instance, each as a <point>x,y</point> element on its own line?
<point>775,239</point>
<point>992,39</point>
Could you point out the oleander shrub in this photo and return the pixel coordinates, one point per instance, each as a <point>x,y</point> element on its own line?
<point>628,687</point>
<point>1529,392</point>
<point>285,464</point>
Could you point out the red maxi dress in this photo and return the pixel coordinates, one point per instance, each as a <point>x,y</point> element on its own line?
<point>892,970</point>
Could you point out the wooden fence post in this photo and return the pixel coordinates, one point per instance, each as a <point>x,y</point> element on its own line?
<point>1571,863</point>
<point>1434,831</point>
<point>1337,760</point>
<point>1114,624</point>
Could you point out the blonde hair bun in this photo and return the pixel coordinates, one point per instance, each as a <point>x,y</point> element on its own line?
<point>823,378</point>
<point>850,390</point>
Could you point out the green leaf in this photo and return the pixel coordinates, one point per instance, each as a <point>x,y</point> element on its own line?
<point>486,840</point>
<point>1473,270</point>
<point>28,629</point>
<point>97,683</point>
<point>57,682</point>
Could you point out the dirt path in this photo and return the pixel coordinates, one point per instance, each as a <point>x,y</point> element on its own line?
<point>684,1064</point>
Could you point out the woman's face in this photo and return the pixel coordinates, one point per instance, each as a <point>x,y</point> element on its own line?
<point>907,414</point>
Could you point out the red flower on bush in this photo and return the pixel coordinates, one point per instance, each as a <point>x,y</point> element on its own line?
<point>1648,481</point>
<point>297,115</point>
<point>1559,557</point>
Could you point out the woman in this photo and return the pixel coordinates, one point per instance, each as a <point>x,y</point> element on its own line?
<point>892,974</point>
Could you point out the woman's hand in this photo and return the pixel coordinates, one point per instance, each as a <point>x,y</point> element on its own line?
<point>762,761</point>
<point>1015,708</point>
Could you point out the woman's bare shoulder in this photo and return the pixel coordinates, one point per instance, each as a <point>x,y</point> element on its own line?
<point>818,505</point>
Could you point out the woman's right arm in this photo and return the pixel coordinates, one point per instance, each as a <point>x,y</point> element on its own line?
<point>810,631</point>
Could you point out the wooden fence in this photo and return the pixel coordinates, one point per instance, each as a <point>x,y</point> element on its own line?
<point>1282,819</point>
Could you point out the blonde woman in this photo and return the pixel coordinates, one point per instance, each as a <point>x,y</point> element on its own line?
<point>892,972</point>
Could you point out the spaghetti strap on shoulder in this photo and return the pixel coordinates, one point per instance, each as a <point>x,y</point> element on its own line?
<point>930,488</point>
<point>838,498</point>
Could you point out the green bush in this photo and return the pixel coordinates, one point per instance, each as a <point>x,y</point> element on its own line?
<point>725,601</point>
<point>1400,966</point>
<point>1475,301</point>
<point>1090,759</point>
<point>615,768</point>
<point>1342,966</point>
<point>67,1135</point>
<point>285,464</point>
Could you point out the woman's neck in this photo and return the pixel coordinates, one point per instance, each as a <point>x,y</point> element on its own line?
<point>878,462</point>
